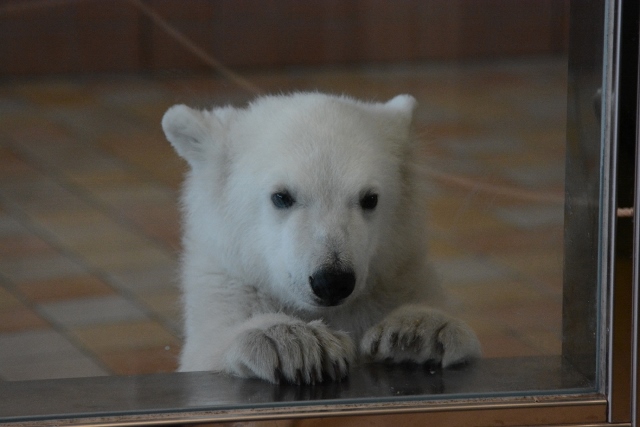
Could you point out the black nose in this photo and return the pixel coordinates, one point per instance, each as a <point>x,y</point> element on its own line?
<point>332,285</point>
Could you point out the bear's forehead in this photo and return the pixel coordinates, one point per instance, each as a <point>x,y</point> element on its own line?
<point>319,167</point>
<point>316,125</point>
<point>318,143</point>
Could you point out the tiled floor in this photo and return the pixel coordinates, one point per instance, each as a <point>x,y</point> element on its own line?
<point>89,229</point>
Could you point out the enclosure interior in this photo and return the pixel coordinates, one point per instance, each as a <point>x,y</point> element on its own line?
<point>89,205</point>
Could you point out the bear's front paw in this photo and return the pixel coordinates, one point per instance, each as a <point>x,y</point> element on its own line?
<point>300,353</point>
<point>420,334</point>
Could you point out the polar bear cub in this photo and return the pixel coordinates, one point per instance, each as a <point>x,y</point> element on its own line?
<point>304,242</point>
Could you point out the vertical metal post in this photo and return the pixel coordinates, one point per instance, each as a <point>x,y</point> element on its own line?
<point>623,295</point>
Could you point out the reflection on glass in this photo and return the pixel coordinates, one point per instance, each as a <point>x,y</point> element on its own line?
<point>89,228</point>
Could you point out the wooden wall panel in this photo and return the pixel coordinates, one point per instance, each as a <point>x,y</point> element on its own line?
<point>88,36</point>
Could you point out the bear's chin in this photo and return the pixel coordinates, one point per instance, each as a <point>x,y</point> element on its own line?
<point>319,305</point>
<point>330,304</point>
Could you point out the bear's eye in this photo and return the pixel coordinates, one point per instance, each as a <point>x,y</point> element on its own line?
<point>369,201</point>
<point>282,200</point>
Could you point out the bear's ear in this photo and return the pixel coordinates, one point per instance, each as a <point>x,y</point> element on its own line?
<point>404,106</point>
<point>400,109</point>
<point>188,131</point>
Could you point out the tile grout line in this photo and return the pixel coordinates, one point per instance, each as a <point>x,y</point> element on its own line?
<point>64,332</point>
<point>51,173</point>
<point>45,235</point>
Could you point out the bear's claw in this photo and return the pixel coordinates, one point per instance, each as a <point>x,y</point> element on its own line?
<point>296,353</point>
<point>420,334</point>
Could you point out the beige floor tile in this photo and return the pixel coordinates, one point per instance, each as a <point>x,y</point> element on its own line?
<point>146,255</point>
<point>138,193</point>
<point>92,180</point>
<point>167,305</point>
<point>12,166</point>
<point>470,270</point>
<point>23,245</point>
<point>160,222</point>
<point>547,342</point>
<point>150,153</point>
<point>523,328</point>
<point>42,291</point>
<point>19,319</point>
<point>138,361</point>
<point>502,345</point>
<point>142,334</point>
<point>70,217</point>
<point>489,296</point>
<point>8,300</point>
<point>512,242</point>
<point>41,354</point>
<point>545,313</point>
<point>541,265</point>
<point>442,248</point>
<point>147,280</point>
<point>100,236</point>
<point>458,215</point>
<point>40,267</point>
<point>92,311</point>
<point>40,195</point>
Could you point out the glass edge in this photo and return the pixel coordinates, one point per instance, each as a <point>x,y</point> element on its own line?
<point>556,409</point>
<point>611,58</point>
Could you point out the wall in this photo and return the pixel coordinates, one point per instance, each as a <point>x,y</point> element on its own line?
<point>58,36</point>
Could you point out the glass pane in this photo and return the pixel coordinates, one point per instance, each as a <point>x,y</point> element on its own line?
<point>507,121</point>
<point>582,223</point>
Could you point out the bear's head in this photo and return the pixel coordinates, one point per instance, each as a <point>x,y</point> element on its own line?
<point>303,195</point>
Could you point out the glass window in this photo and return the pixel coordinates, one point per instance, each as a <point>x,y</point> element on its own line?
<point>517,122</point>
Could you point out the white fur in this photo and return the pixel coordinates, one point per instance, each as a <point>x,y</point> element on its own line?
<point>246,269</point>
